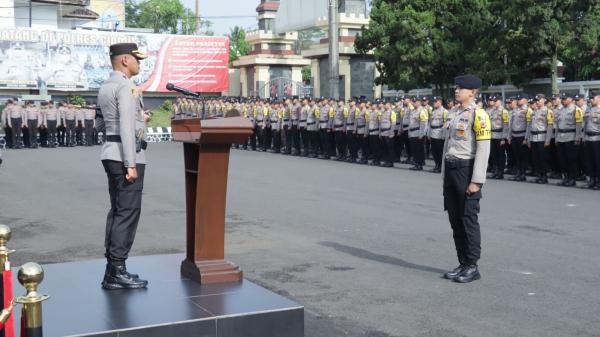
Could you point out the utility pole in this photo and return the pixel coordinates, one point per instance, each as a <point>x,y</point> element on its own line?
<point>334,50</point>
<point>197,17</point>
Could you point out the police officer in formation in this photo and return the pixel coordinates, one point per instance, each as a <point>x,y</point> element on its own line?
<point>529,135</point>
<point>466,155</point>
<point>31,124</point>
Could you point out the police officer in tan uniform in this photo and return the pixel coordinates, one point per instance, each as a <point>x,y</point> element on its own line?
<point>466,153</point>
<point>123,158</point>
<point>591,139</point>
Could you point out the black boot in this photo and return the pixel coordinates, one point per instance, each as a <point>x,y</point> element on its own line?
<point>117,277</point>
<point>469,274</point>
<point>592,183</point>
<point>451,275</point>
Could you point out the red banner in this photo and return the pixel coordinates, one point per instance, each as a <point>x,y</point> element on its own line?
<point>196,63</point>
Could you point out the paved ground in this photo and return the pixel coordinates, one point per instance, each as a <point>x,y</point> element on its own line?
<point>361,247</point>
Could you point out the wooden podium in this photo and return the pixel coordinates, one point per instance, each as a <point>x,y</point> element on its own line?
<point>206,145</point>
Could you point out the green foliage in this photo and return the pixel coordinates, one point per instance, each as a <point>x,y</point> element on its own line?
<point>238,46</point>
<point>132,14</point>
<point>76,100</point>
<point>417,42</point>
<point>163,16</point>
<point>306,74</point>
<point>205,28</point>
<point>162,115</point>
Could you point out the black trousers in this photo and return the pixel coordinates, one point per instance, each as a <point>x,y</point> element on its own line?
<point>70,132</point>
<point>52,133</point>
<point>417,147</point>
<point>375,148</point>
<point>89,132</point>
<point>554,163</point>
<point>324,143</point>
<point>352,143</point>
<point>286,140</point>
<point>304,140</point>
<point>313,137</point>
<point>125,209</point>
<point>463,210</point>
<point>520,155</point>
<point>397,146</point>
<point>17,125</point>
<point>79,133</point>
<point>363,144</point>
<point>388,149</point>
<point>592,158</point>
<point>8,136</point>
<point>540,158</point>
<point>498,155</point>
<point>567,156</point>
<point>405,144</point>
<point>437,149</point>
<point>253,136</point>
<point>62,132</point>
<point>295,139</point>
<point>276,135</point>
<point>340,143</point>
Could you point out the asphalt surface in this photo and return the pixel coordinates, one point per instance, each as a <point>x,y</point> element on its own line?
<point>362,248</point>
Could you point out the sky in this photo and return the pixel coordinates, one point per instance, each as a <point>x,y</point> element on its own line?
<point>226,14</point>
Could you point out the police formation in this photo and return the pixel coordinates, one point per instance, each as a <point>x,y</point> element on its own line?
<point>555,138</point>
<point>47,124</point>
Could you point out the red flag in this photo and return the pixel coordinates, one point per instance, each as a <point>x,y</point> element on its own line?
<point>9,326</point>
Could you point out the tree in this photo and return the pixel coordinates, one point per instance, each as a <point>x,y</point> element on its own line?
<point>306,74</point>
<point>205,28</point>
<point>132,14</point>
<point>238,46</point>
<point>417,42</point>
<point>582,54</point>
<point>163,15</point>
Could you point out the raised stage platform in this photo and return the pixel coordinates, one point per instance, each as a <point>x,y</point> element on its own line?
<point>169,307</point>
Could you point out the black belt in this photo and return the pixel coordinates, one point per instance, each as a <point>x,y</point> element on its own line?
<point>459,163</point>
<point>384,130</point>
<point>405,126</point>
<point>360,127</point>
<point>414,129</point>
<point>566,130</point>
<point>591,134</point>
<point>286,120</point>
<point>436,127</point>
<point>497,130</point>
<point>311,123</point>
<point>518,131</point>
<point>303,121</point>
<point>373,130</point>
<point>113,138</point>
<point>339,126</point>
<point>535,133</point>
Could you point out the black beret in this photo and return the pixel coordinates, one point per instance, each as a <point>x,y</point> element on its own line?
<point>493,98</point>
<point>437,98</point>
<point>127,48</point>
<point>424,98</point>
<point>468,81</point>
<point>522,96</point>
<point>414,98</point>
<point>539,97</point>
<point>578,96</point>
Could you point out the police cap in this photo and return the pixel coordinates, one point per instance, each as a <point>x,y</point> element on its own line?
<point>127,48</point>
<point>468,81</point>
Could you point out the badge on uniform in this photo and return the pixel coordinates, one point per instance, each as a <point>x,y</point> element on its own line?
<point>135,93</point>
<point>482,122</point>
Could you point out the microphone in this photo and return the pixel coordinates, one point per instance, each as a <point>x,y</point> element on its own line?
<point>172,87</point>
